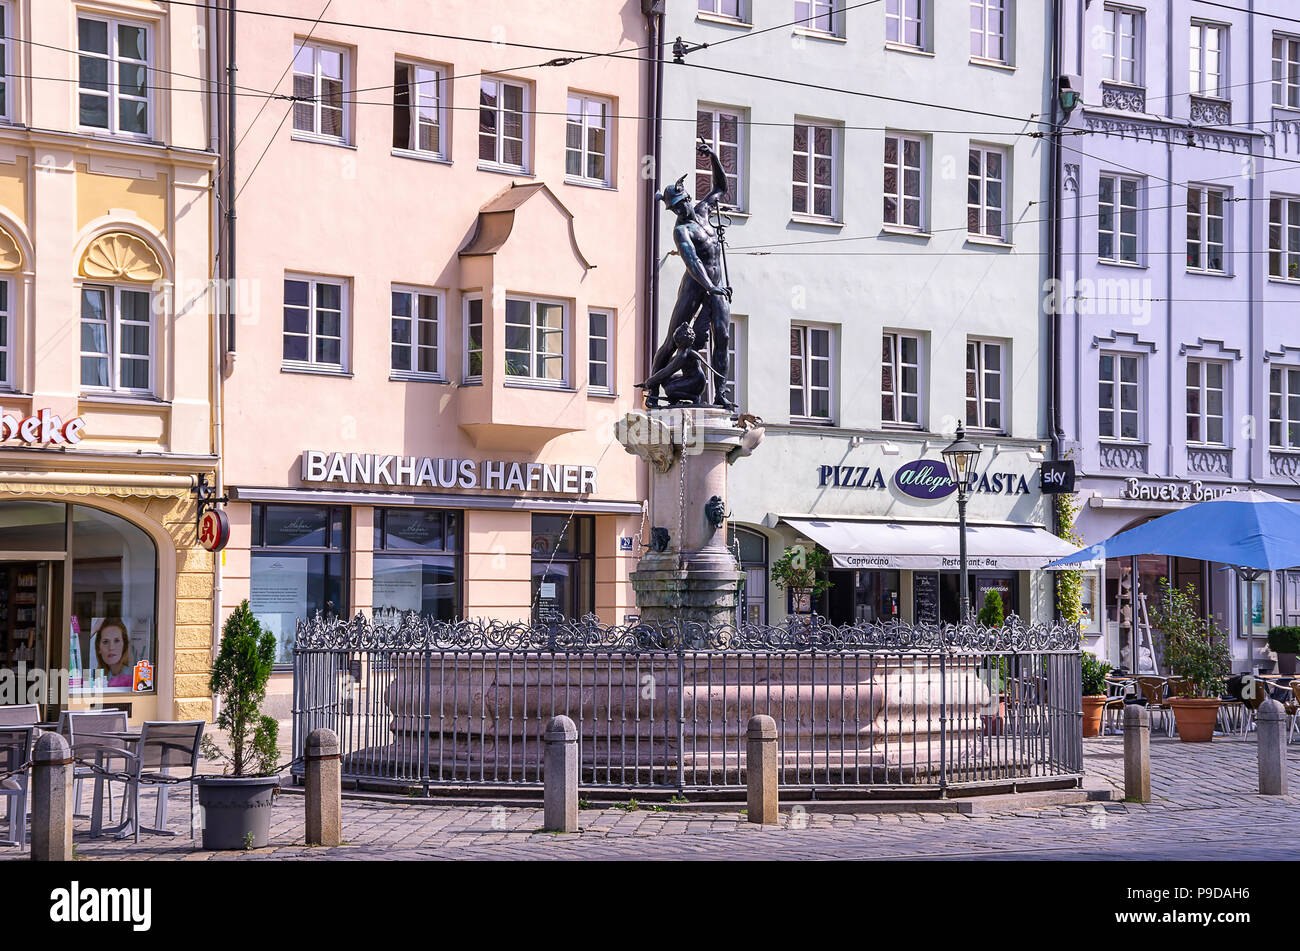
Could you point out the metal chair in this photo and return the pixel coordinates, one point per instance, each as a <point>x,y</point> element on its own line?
<point>1153,692</point>
<point>15,754</point>
<point>163,747</point>
<point>21,714</point>
<point>86,735</point>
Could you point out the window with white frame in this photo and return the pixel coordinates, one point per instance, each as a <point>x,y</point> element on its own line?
<point>905,22</point>
<point>816,15</point>
<point>1206,228</point>
<point>418,109</point>
<point>1284,238</point>
<point>600,351</point>
<point>1122,45</point>
<point>473,340</point>
<point>537,344</point>
<point>114,58</point>
<point>1286,71</point>
<point>1284,407</point>
<point>985,379</point>
<point>587,131</point>
<point>315,323</point>
<point>735,359</point>
<point>733,9</point>
<point>416,348</point>
<point>6,332</point>
<point>723,128</point>
<point>904,185</point>
<point>815,150</point>
<point>810,373</point>
<point>900,379</point>
<point>117,350</point>
<point>1119,396</point>
<point>503,124</point>
<point>1205,401</point>
<point>986,192</point>
<point>1118,218</point>
<point>6,60</point>
<point>318,73</point>
<point>988,30</point>
<point>1209,51</point>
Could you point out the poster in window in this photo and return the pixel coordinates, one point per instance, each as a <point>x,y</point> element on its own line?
<point>1259,608</point>
<point>1088,603</point>
<point>278,597</point>
<point>398,585</point>
<point>117,646</point>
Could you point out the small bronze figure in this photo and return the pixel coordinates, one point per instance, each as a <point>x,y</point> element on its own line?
<point>683,378</point>
<point>715,511</point>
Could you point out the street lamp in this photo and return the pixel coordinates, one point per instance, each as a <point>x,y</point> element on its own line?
<point>960,458</point>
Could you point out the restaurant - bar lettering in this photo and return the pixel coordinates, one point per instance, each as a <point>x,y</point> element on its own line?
<point>371,469</point>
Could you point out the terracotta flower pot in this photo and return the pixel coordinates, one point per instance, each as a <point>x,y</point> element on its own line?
<point>1093,708</point>
<point>1195,718</point>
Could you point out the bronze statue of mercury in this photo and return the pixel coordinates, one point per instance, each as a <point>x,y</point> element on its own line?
<point>703,298</point>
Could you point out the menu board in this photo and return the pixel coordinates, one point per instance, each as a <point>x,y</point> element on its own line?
<point>925,597</point>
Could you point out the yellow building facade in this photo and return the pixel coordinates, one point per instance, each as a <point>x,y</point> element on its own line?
<point>107,344</point>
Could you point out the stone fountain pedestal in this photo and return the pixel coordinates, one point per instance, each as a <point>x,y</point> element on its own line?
<point>688,574</point>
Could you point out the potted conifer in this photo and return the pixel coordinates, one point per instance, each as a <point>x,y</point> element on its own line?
<point>1285,642</point>
<point>237,805</point>
<point>991,615</point>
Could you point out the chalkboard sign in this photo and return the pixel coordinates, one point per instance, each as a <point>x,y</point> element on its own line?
<point>925,597</point>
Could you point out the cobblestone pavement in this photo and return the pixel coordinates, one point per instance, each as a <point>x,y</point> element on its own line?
<point>1204,808</point>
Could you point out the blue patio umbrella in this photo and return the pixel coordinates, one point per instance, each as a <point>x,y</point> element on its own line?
<point>1254,532</point>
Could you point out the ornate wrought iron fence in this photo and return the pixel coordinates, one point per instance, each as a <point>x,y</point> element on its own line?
<point>903,709</point>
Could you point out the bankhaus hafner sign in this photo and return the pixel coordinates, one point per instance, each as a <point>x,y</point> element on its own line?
<point>372,469</point>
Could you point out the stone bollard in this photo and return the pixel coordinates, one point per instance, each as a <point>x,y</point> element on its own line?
<point>1137,753</point>
<point>1270,733</point>
<point>760,770</point>
<point>324,788</point>
<point>51,799</point>
<point>560,813</point>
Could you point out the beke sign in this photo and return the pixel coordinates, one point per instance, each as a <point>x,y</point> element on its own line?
<point>44,428</point>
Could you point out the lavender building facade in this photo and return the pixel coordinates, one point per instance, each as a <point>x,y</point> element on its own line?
<point>1178,287</point>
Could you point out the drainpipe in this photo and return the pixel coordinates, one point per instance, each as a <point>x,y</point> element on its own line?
<point>229,258</point>
<point>1054,256</point>
<point>654,13</point>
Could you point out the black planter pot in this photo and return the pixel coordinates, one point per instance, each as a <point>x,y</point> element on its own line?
<point>236,810</point>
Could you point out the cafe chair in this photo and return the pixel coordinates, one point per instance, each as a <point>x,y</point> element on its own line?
<point>21,714</point>
<point>15,752</point>
<point>86,733</point>
<point>1153,692</point>
<point>163,746</point>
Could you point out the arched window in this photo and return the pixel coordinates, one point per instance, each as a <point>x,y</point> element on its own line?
<point>118,352</point>
<point>750,549</point>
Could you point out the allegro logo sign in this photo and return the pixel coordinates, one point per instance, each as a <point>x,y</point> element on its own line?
<point>44,428</point>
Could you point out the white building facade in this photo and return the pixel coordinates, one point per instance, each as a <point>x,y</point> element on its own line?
<point>887,285</point>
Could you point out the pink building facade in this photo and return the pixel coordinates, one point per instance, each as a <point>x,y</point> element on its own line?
<point>437,321</point>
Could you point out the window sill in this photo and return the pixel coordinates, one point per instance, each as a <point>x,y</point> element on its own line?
<point>504,170</point>
<point>518,384</point>
<point>811,421</point>
<point>992,64</point>
<point>1213,446</point>
<point>902,427</point>
<point>902,232</point>
<point>471,381</point>
<point>1102,262</point>
<point>816,221</point>
<point>104,135</point>
<point>602,394</point>
<point>702,16</point>
<point>590,183</point>
<point>983,241</point>
<point>322,140</point>
<point>397,376</point>
<point>1112,441</point>
<point>1202,272</point>
<point>315,371</point>
<point>819,35</point>
<point>1288,281</point>
<point>420,156</point>
<point>904,48</point>
<point>128,399</point>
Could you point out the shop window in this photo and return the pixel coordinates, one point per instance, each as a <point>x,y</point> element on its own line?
<point>114,598</point>
<point>298,567</point>
<point>564,559</point>
<point>750,549</point>
<point>417,564</point>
